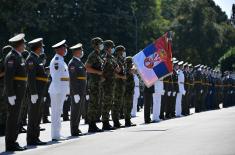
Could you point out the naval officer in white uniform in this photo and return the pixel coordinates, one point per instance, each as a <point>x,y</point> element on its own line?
<point>178,105</point>
<point>157,96</point>
<point>59,87</point>
<point>136,95</point>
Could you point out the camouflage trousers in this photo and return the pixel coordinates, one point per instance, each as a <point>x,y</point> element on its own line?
<point>94,104</point>
<point>107,99</point>
<point>128,102</point>
<point>118,99</point>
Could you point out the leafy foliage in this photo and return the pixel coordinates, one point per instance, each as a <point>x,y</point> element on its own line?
<point>202,30</point>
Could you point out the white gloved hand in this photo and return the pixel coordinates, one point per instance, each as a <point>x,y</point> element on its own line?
<point>11,100</point>
<point>34,98</point>
<point>201,91</point>
<point>231,92</point>
<point>184,92</point>
<point>169,93</point>
<point>44,99</point>
<point>174,93</point>
<point>210,92</point>
<point>76,98</point>
<point>87,97</point>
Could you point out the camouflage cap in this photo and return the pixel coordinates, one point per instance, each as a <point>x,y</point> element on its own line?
<point>96,41</point>
<point>120,48</point>
<point>108,44</point>
<point>128,59</point>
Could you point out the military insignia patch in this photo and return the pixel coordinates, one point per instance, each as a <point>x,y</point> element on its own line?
<point>56,66</point>
<point>56,58</point>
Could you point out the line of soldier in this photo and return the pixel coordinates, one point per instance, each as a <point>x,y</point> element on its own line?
<point>189,86</point>
<point>109,87</point>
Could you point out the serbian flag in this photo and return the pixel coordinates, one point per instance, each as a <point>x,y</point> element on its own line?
<point>154,62</point>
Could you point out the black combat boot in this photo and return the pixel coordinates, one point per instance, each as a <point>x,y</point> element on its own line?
<point>107,126</point>
<point>128,123</point>
<point>117,124</point>
<point>94,128</point>
<point>45,120</point>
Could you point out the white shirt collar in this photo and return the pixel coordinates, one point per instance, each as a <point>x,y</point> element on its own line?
<point>57,55</point>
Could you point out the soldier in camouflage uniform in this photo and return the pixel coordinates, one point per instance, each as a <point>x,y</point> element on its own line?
<point>94,66</point>
<point>119,85</point>
<point>109,68</point>
<point>3,106</point>
<point>129,92</point>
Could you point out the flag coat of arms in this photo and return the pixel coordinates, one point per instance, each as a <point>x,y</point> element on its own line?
<point>154,61</point>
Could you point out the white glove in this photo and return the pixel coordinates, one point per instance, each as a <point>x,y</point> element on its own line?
<point>184,92</point>
<point>174,93</point>
<point>201,91</point>
<point>169,93</point>
<point>11,100</point>
<point>210,92</point>
<point>34,98</point>
<point>87,97</point>
<point>44,99</point>
<point>231,91</point>
<point>76,98</point>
